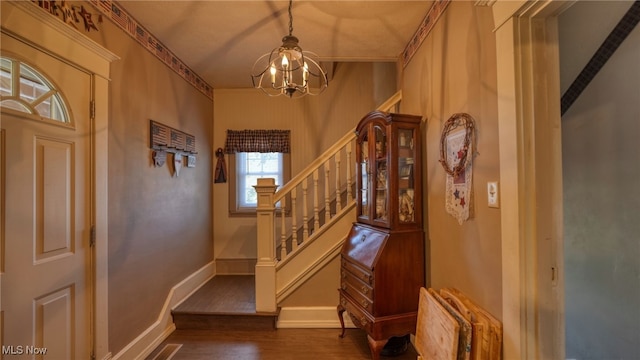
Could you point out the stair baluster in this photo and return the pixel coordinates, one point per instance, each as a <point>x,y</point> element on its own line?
<point>336,159</point>
<point>305,211</point>
<point>294,222</point>
<point>283,232</point>
<point>316,206</point>
<point>327,199</point>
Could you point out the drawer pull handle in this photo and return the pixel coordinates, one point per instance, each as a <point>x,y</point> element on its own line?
<point>364,321</point>
<point>365,303</point>
<point>365,290</point>
<point>344,286</point>
<point>343,301</point>
<point>344,275</point>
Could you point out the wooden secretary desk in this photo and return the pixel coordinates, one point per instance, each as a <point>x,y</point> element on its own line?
<point>382,260</point>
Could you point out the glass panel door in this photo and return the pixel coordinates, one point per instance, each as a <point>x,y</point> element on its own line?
<point>406,156</point>
<point>364,175</point>
<point>381,180</point>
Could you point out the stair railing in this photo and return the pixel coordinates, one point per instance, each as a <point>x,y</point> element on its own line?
<point>306,204</point>
<point>321,187</point>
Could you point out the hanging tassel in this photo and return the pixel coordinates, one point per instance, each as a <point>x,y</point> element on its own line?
<point>221,167</point>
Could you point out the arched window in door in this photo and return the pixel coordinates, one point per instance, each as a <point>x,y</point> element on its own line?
<point>22,88</point>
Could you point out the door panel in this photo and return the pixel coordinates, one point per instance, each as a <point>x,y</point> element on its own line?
<point>46,289</point>
<point>53,188</point>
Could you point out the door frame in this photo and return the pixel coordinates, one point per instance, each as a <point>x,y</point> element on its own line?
<point>34,26</point>
<point>530,152</point>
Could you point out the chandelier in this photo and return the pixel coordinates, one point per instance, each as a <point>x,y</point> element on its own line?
<point>288,70</point>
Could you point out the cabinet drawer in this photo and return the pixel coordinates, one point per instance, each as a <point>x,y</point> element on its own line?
<point>356,314</point>
<point>358,297</point>
<point>350,281</point>
<point>358,272</point>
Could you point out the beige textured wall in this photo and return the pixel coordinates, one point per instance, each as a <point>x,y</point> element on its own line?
<point>320,290</point>
<point>455,71</point>
<point>159,226</point>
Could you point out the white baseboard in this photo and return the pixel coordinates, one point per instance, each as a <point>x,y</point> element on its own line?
<point>319,317</point>
<point>146,342</point>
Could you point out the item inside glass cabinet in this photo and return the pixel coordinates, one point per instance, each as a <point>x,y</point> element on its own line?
<point>381,207</point>
<point>406,206</point>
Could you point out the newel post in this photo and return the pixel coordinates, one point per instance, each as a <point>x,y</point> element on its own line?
<point>266,263</point>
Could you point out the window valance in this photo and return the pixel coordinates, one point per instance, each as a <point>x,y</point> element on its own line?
<point>262,141</point>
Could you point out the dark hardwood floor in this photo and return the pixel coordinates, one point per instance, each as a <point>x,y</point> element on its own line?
<point>228,304</point>
<point>281,344</point>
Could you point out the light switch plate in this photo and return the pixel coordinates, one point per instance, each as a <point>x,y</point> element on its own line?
<point>493,194</point>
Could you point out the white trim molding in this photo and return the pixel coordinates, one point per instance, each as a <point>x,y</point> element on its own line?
<point>149,339</point>
<point>530,176</point>
<point>48,31</point>
<point>318,317</point>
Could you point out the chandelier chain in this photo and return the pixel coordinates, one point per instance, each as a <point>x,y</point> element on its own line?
<point>290,18</point>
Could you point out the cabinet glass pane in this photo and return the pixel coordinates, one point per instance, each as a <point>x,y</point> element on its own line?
<point>381,143</point>
<point>381,191</point>
<point>364,200</point>
<point>406,156</point>
<point>364,175</point>
<point>381,180</point>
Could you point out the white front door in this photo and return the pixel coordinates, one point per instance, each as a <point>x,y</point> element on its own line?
<point>46,294</point>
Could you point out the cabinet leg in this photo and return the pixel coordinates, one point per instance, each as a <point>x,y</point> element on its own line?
<point>341,310</point>
<point>375,346</point>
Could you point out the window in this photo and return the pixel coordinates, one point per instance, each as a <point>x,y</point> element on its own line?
<point>250,167</point>
<point>244,172</point>
<point>24,89</point>
<point>254,154</point>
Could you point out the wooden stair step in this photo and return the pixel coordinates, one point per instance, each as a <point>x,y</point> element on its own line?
<point>224,302</point>
<point>237,321</point>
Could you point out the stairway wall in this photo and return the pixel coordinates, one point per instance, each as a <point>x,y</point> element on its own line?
<point>316,123</point>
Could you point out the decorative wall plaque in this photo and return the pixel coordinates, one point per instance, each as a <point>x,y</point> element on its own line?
<point>177,140</point>
<point>159,136</point>
<point>191,161</point>
<point>177,163</point>
<point>159,157</point>
<point>190,143</point>
<point>172,140</point>
<point>165,139</point>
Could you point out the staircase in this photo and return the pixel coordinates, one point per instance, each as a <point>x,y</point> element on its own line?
<point>301,228</point>
<point>225,302</point>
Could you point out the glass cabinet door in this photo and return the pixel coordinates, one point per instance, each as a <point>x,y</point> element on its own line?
<point>406,156</point>
<point>388,176</point>
<point>381,181</point>
<point>364,175</point>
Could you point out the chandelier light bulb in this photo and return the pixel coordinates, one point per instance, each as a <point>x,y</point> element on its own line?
<point>273,74</point>
<point>305,73</point>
